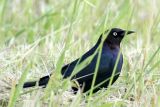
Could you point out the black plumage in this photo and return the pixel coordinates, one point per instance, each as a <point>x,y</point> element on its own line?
<point>108,57</point>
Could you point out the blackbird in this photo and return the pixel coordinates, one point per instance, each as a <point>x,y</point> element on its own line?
<point>108,56</point>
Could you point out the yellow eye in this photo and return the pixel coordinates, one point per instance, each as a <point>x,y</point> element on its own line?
<point>114,33</point>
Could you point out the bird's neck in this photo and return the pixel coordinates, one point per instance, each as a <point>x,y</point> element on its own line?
<point>113,46</point>
<point>108,43</point>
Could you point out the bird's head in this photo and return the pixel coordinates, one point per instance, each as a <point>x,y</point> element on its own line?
<point>115,35</point>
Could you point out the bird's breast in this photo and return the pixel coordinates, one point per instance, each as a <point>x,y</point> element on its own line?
<point>113,53</point>
<point>120,61</point>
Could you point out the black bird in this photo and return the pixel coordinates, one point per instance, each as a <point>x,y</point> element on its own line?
<point>109,55</point>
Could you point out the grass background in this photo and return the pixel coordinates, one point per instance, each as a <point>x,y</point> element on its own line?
<point>38,37</point>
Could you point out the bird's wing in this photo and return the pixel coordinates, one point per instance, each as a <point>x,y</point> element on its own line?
<point>68,69</point>
<point>87,72</point>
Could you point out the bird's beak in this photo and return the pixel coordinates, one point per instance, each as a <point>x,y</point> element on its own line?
<point>130,32</point>
<point>125,32</point>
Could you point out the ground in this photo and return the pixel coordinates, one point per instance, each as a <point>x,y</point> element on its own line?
<point>38,37</point>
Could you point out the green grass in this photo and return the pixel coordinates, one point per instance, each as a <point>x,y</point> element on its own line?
<point>39,37</point>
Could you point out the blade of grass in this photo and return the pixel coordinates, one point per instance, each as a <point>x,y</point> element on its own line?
<point>89,3</point>
<point>16,89</point>
<point>151,59</point>
<point>116,64</point>
<point>4,2</point>
<point>98,60</point>
<point>47,14</point>
<point>61,58</point>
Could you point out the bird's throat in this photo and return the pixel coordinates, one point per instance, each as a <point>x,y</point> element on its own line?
<point>113,46</point>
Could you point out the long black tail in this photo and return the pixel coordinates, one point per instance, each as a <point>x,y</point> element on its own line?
<point>42,82</point>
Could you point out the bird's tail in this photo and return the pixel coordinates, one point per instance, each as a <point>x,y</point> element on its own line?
<point>42,82</point>
<point>29,84</point>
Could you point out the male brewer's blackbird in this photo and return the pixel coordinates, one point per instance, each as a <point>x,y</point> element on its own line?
<point>109,55</point>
